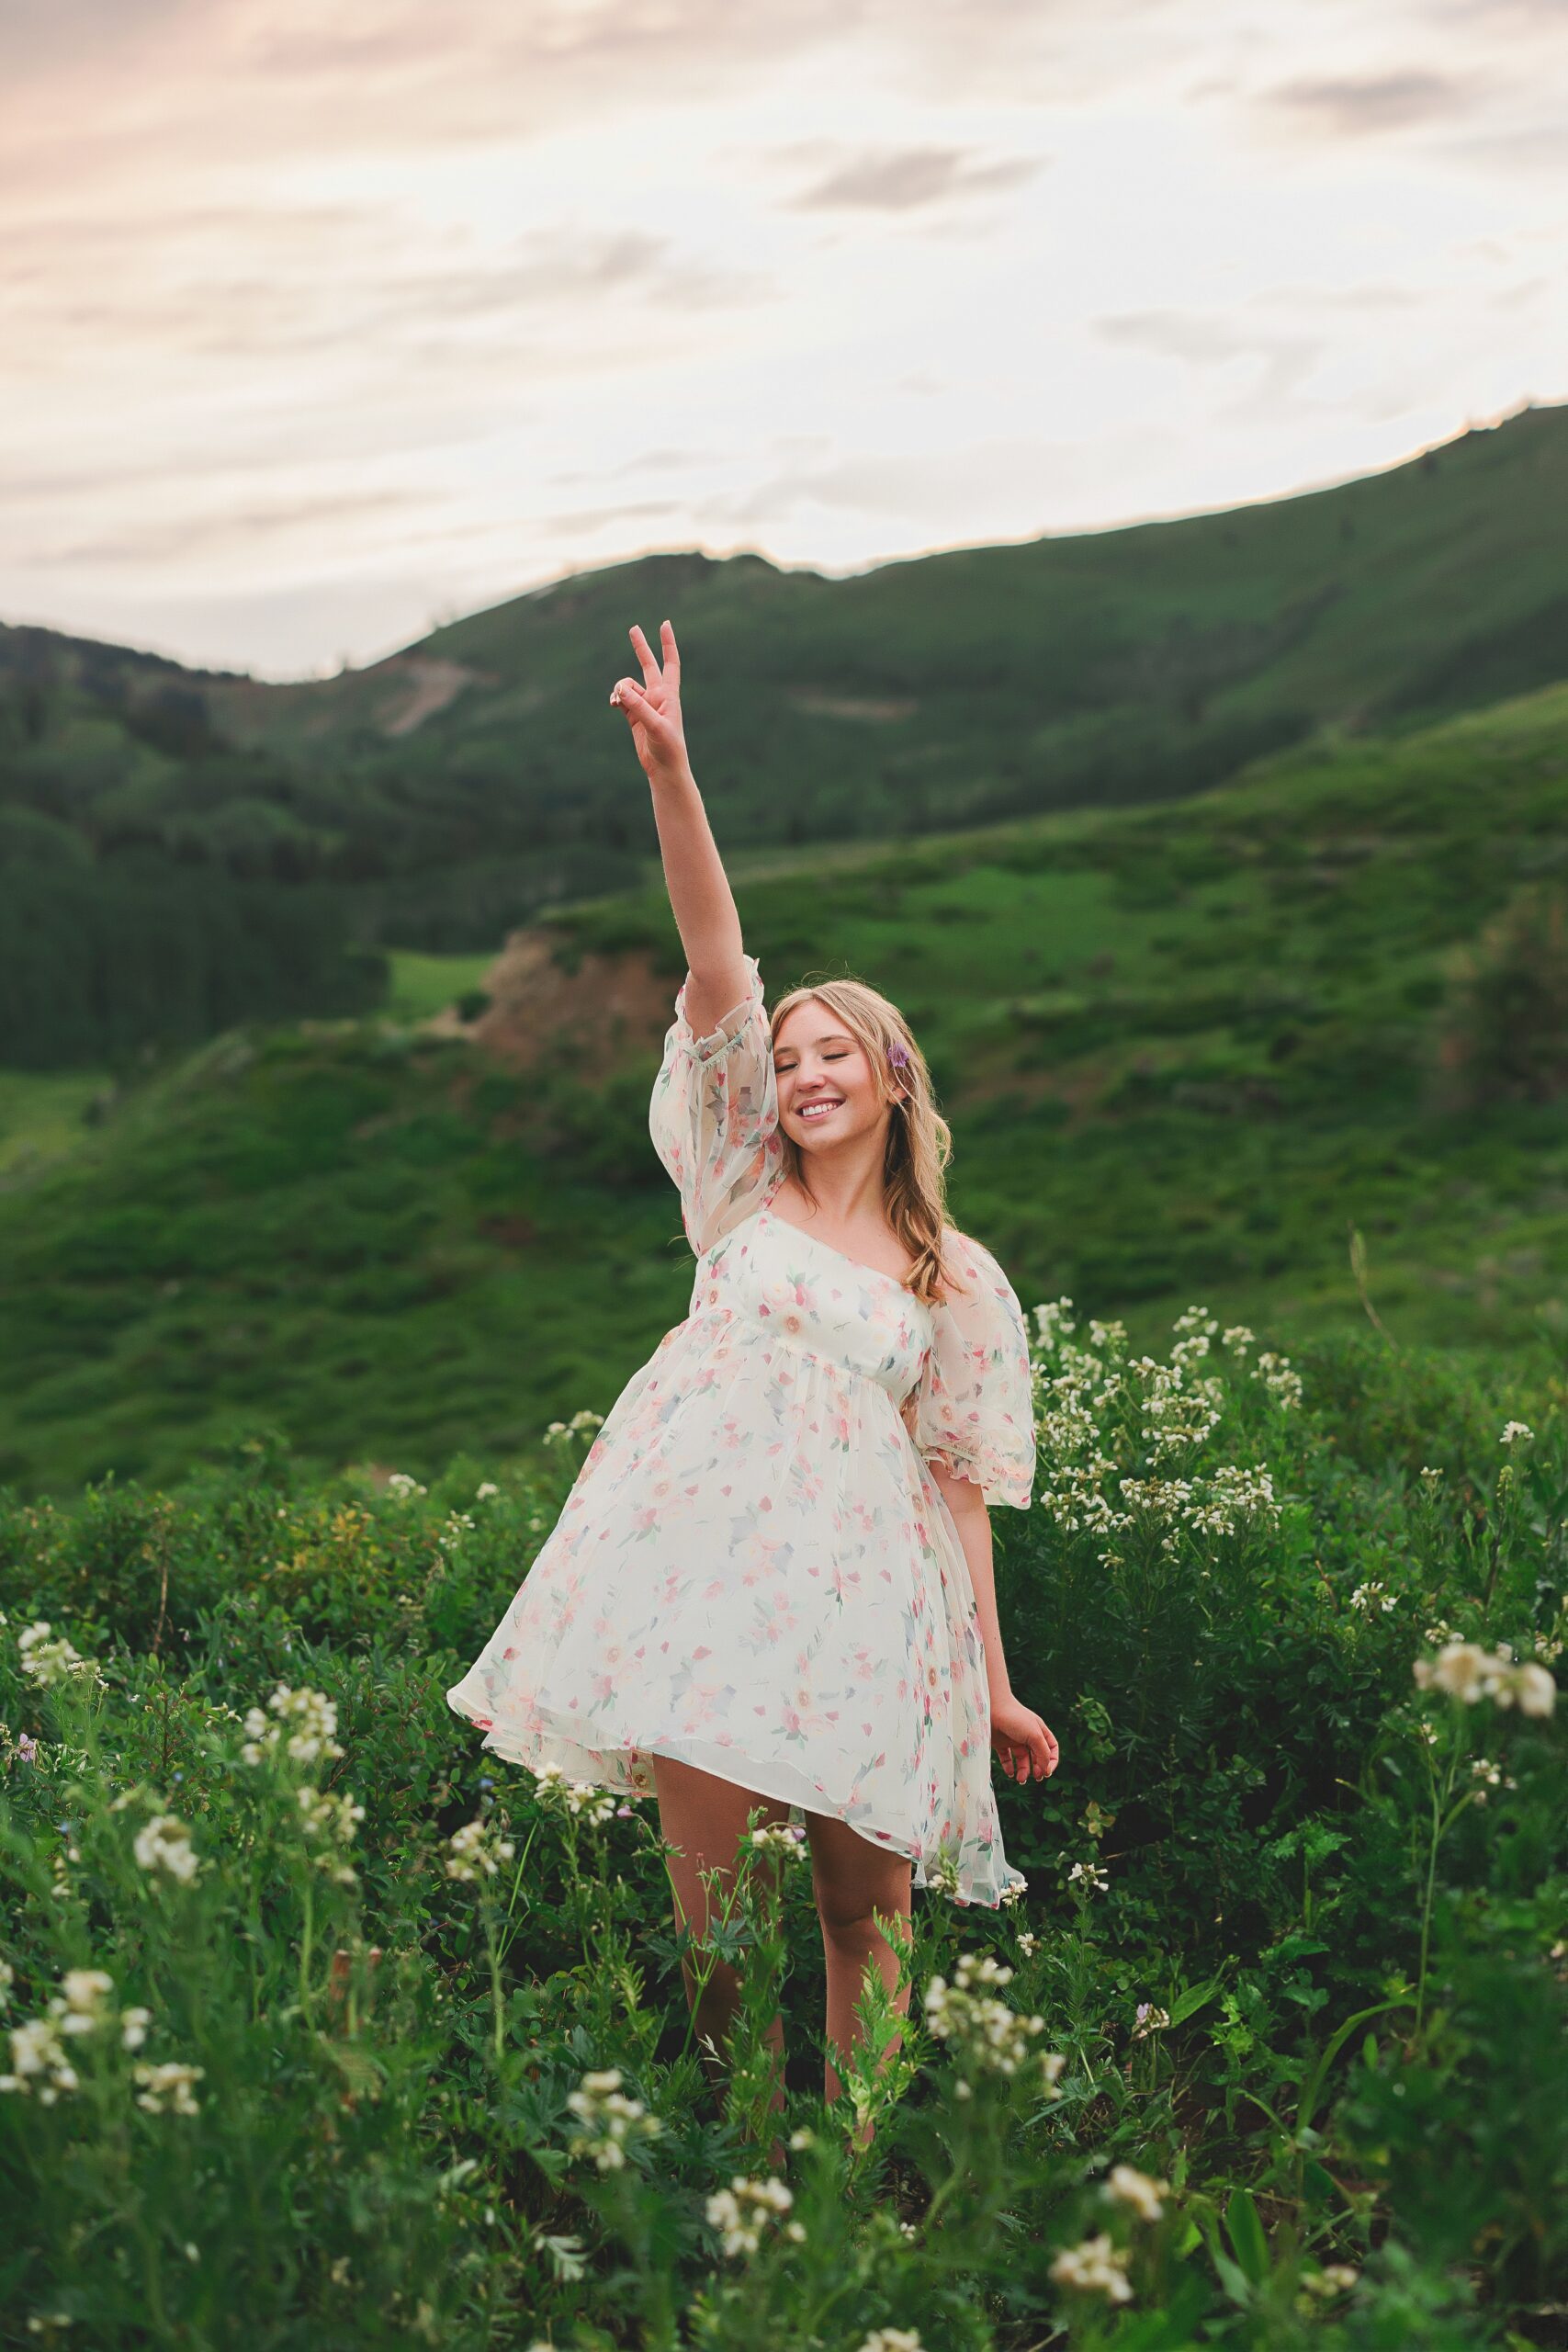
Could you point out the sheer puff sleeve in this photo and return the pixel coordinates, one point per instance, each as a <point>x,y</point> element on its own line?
<point>974,1410</point>
<point>714,1117</point>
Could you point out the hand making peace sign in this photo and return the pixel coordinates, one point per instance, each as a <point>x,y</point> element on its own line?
<point>653,708</point>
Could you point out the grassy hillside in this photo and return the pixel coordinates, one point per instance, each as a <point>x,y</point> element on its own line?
<point>438,798</point>
<point>1183,1051</point>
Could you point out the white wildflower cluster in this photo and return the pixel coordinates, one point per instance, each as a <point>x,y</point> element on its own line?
<point>581,1798</point>
<point>1235,1495</point>
<point>941,1873</point>
<point>610,2121</point>
<point>457,1523</point>
<point>1089,1876</point>
<point>1143,2197</point>
<point>1094,2267</point>
<point>744,2211</point>
<point>164,1845</point>
<point>1333,2279</point>
<point>1284,1384</point>
<point>779,1837</point>
<point>1055,1323</point>
<point>403,1488</point>
<point>1469,1673</point>
<point>1148,2019</point>
<point>1117,1438</point>
<point>1181,1411</point>
<point>49,1659</point>
<point>330,1822</point>
<point>169,2088</point>
<point>477,1852</point>
<point>1490,1775</point>
<point>40,2057</point>
<point>1516,1433</point>
<point>305,1728</point>
<point>986,2035</point>
<point>1372,1596</point>
<point>559,1432</point>
<point>894,2339</point>
<point>486,1491</point>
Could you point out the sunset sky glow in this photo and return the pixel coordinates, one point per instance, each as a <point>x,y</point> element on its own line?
<point>327,319</point>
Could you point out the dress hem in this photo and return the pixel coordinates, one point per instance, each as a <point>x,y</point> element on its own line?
<point>531,1749</point>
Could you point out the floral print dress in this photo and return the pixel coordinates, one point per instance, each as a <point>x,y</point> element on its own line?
<point>755,1571</point>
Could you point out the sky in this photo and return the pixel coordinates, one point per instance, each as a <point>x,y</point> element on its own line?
<point>324,321</point>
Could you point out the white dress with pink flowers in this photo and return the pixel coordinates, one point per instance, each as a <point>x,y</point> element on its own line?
<point>755,1571</point>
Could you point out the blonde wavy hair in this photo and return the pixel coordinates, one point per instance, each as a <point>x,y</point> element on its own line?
<point>919,1141</point>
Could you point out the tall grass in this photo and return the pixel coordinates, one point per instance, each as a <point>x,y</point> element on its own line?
<point>328,2031</point>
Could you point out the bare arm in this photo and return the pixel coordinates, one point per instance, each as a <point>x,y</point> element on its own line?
<point>700,896</point>
<point>1024,1743</point>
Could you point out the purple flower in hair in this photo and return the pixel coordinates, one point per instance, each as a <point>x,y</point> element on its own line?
<point>899,1054</point>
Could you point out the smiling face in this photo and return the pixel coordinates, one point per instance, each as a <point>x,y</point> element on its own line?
<point>827,1092</point>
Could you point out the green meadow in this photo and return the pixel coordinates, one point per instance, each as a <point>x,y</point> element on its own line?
<point>1184,1052</point>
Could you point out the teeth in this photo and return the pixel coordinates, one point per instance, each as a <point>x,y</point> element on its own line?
<point>818,1110</point>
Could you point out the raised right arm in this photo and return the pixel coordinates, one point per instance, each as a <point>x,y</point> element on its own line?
<point>700,896</point>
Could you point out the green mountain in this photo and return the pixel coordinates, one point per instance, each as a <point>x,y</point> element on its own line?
<point>273,838</point>
<point>1185,1050</point>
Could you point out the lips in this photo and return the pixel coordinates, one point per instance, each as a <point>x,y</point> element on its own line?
<point>820,1107</point>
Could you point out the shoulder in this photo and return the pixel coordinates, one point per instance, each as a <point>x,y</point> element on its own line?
<point>972,1270</point>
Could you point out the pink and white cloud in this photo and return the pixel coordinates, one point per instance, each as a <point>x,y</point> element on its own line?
<point>323,318</point>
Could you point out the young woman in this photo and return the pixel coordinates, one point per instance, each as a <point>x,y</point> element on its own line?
<point>771,1586</point>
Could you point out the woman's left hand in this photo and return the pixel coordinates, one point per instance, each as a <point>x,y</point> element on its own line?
<point>1025,1743</point>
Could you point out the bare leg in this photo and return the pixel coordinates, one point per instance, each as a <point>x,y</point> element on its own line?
<point>703,1818</point>
<point>855,1878</point>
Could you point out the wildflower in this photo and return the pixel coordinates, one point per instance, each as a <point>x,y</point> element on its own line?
<point>1431,1479</point>
<point>7,1978</point>
<point>402,1486</point>
<point>893,2339</point>
<point>802,2137</point>
<point>1333,2279</point>
<point>168,2089</point>
<point>165,1845</point>
<point>324,1816</point>
<point>486,1491</point>
<point>785,1837</point>
<point>39,2066</point>
<point>81,2002</point>
<point>1094,2267</point>
<point>986,2034</point>
<point>1373,1595</point>
<point>742,2211</point>
<point>332,1820</point>
<point>310,1719</point>
<point>1149,2020</point>
<point>50,1658</point>
<point>1126,2186</point>
<point>1026,1943</point>
<point>26,1747</point>
<point>582,1799</point>
<point>475,1851</point>
<point>1469,1673</point>
<point>1276,1375</point>
<point>133,2025</point>
<point>1516,1433</point>
<point>1238,1340</point>
<point>1093,1879</point>
<point>610,2121</point>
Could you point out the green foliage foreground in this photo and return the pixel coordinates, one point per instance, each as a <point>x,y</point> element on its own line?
<point>327,2030</point>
